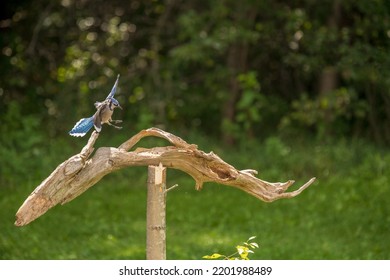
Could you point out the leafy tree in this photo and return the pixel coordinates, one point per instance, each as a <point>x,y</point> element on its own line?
<point>251,68</point>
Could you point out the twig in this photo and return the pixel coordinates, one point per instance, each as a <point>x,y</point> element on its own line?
<point>171,188</point>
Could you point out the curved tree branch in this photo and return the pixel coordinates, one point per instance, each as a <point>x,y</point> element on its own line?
<point>80,172</point>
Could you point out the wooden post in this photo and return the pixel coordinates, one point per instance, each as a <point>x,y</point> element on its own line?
<point>155,213</point>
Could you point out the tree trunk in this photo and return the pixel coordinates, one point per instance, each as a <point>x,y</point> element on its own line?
<point>237,62</point>
<point>329,78</point>
<point>237,57</point>
<point>159,104</point>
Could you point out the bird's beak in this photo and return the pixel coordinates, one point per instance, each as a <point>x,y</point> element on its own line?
<point>119,106</point>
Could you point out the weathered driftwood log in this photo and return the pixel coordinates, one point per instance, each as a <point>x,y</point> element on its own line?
<point>80,172</point>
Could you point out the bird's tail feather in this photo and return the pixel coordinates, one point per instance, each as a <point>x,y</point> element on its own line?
<point>82,127</point>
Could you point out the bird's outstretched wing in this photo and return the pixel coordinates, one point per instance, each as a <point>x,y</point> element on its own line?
<point>82,127</point>
<point>113,90</point>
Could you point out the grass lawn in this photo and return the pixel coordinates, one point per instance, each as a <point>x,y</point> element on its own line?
<point>345,214</point>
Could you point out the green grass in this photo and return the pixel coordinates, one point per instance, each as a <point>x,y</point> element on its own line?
<point>344,215</point>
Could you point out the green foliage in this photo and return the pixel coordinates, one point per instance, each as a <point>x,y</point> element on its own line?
<point>21,142</point>
<point>242,251</point>
<point>176,54</point>
<point>329,114</point>
<point>251,103</point>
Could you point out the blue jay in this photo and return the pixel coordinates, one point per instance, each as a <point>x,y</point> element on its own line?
<point>103,115</point>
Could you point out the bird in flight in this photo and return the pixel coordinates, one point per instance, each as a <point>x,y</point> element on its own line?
<point>104,111</point>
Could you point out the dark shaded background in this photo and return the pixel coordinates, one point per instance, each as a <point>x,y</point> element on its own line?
<point>251,68</point>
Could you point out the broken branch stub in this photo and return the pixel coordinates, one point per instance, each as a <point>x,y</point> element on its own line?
<point>80,172</point>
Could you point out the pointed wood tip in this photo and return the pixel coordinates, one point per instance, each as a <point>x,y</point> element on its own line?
<point>22,218</point>
<point>19,223</point>
<point>32,208</point>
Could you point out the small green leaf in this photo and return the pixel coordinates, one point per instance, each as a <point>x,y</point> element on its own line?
<point>241,249</point>
<point>243,252</point>
<point>213,256</point>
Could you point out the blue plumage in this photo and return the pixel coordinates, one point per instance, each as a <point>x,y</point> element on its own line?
<point>104,111</point>
<point>82,127</point>
<point>113,90</point>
